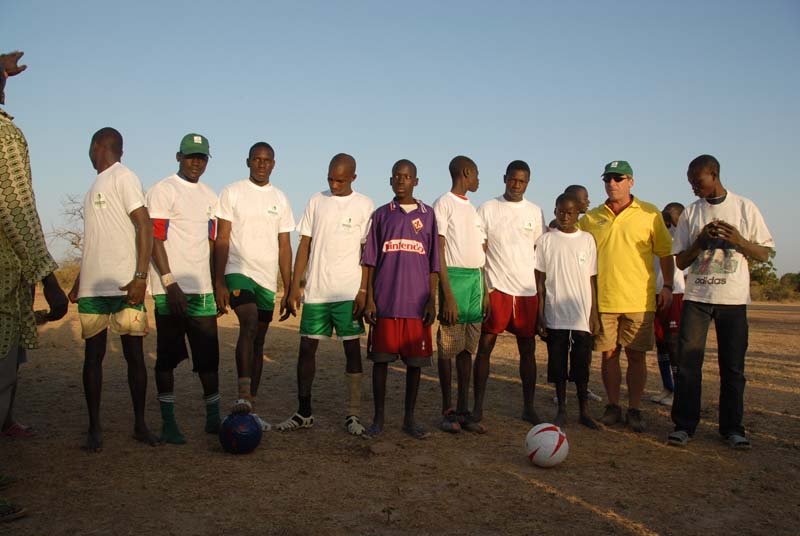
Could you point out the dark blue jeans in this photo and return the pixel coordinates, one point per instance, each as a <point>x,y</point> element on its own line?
<point>730,322</point>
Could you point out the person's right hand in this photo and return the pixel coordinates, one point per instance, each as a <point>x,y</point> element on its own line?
<point>55,297</point>
<point>10,62</point>
<point>371,312</point>
<point>73,293</point>
<point>448,315</point>
<point>293,303</point>
<point>176,300</point>
<point>541,327</point>
<point>222,296</point>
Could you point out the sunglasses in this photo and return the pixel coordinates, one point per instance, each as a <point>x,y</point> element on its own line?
<point>615,178</point>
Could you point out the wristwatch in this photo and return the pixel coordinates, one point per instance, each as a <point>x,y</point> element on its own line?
<point>140,275</point>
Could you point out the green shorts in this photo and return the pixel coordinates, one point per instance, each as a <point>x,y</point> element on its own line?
<point>197,305</point>
<point>240,286</point>
<point>467,286</point>
<point>319,320</point>
<point>105,305</point>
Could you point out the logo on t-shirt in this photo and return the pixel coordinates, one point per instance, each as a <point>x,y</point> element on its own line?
<point>400,245</point>
<point>209,212</point>
<point>417,224</point>
<point>273,210</point>
<point>582,258</point>
<point>347,222</point>
<point>528,227</point>
<point>99,200</point>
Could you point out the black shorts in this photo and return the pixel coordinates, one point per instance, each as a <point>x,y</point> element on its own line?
<point>171,334</point>
<point>575,345</point>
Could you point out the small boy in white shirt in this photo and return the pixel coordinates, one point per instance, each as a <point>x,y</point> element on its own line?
<point>566,274</point>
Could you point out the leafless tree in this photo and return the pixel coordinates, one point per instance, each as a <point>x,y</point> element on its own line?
<point>71,231</point>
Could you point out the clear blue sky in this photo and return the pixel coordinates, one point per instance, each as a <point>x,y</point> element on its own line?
<point>566,86</point>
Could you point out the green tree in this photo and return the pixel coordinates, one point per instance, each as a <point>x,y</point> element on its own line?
<point>791,281</point>
<point>763,273</point>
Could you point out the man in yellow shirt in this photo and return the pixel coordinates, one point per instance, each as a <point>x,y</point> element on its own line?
<point>628,233</point>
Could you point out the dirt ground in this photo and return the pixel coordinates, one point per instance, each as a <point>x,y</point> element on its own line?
<point>325,481</point>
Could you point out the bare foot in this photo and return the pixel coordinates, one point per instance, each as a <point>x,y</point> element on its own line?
<point>531,417</point>
<point>145,436</point>
<point>588,422</point>
<point>561,418</point>
<point>94,441</point>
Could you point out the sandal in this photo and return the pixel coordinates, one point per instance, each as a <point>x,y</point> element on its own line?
<point>353,425</point>
<point>19,430</point>
<point>373,431</point>
<point>450,422</point>
<point>739,442</point>
<point>10,511</point>
<point>296,422</point>
<point>678,438</point>
<point>416,431</point>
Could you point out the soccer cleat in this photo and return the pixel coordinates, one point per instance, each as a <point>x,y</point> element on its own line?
<point>353,425</point>
<point>242,406</point>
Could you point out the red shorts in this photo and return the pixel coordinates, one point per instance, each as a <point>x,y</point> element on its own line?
<point>670,321</point>
<point>404,337</point>
<point>515,314</point>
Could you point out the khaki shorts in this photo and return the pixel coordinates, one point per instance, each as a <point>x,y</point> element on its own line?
<point>630,330</point>
<point>452,340</point>
<point>99,313</point>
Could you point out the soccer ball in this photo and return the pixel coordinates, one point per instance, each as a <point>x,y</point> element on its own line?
<point>546,445</point>
<point>240,433</point>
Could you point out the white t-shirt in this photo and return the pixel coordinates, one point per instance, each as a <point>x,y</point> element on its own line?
<point>512,229</point>
<point>678,280</point>
<point>109,238</point>
<point>720,274</point>
<point>569,260</point>
<point>337,226</point>
<point>462,229</point>
<point>189,207</point>
<point>257,215</point>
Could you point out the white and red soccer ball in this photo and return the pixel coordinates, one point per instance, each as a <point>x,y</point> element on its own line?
<point>546,445</point>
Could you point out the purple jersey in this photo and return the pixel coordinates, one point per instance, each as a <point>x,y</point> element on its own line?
<point>404,249</point>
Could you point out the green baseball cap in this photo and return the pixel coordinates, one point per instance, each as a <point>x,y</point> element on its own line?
<point>194,144</point>
<point>618,167</point>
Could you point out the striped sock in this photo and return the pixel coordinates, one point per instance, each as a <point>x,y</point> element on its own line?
<point>170,432</point>
<point>212,412</point>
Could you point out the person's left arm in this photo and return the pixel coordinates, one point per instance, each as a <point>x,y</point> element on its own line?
<point>285,267</point>
<point>662,247</point>
<point>144,249</point>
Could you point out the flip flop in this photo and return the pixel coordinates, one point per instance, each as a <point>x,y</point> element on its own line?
<point>416,431</point>
<point>450,422</point>
<point>18,430</point>
<point>678,438</point>
<point>373,431</point>
<point>296,422</point>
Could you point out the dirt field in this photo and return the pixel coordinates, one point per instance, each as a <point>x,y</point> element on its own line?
<point>324,481</point>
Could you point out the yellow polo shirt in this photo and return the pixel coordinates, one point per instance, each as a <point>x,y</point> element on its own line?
<point>626,243</point>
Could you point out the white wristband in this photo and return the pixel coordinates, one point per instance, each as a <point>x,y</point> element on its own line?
<point>167,280</point>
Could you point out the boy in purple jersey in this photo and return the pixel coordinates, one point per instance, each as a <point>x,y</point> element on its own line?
<point>402,257</point>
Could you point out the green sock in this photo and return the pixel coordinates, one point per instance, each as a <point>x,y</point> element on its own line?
<point>170,433</point>
<point>212,413</point>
